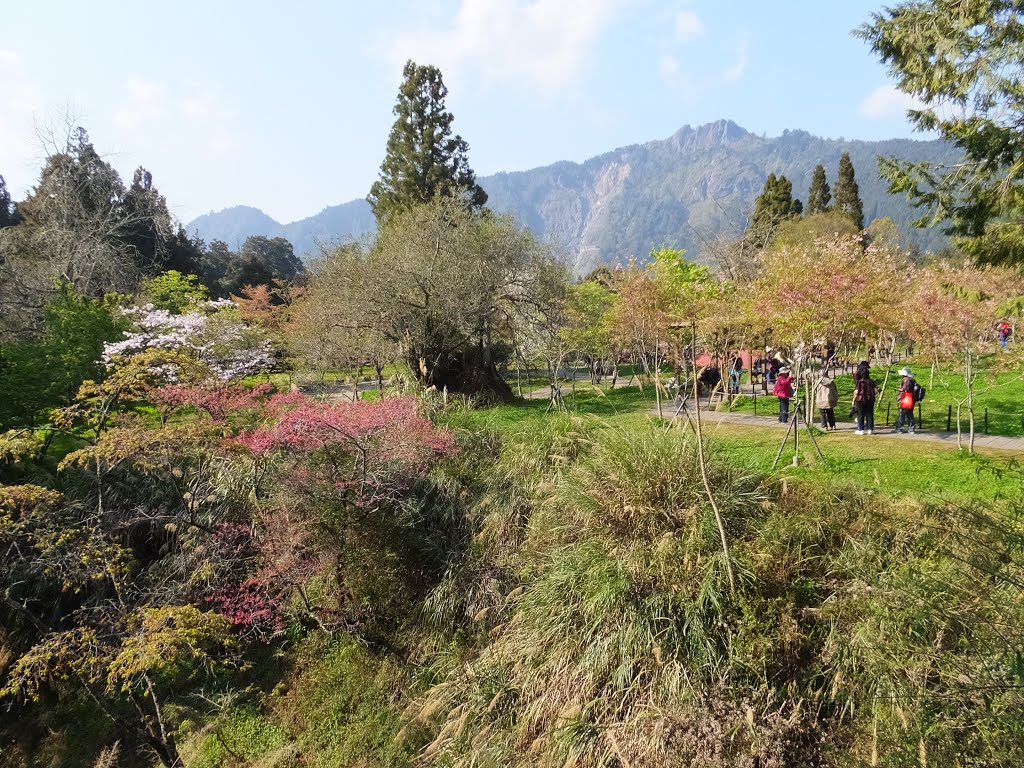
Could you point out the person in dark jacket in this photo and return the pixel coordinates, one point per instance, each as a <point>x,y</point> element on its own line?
<point>864,392</point>
<point>774,363</point>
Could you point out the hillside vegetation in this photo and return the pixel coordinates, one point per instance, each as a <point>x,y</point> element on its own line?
<point>432,501</point>
<point>589,620</point>
<point>686,190</point>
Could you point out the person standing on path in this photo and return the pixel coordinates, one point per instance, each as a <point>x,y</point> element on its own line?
<point>906,399</point>
<point>784,391</point>
<point>735,375</point>
<point>864,399</point>
<point>827,397</point>
<point>773,365</point>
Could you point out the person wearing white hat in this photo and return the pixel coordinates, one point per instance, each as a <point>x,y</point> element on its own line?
<point>784,391</point>
<point>905,398</point>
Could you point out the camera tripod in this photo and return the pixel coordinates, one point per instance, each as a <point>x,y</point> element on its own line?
<point>794,427</point>
<point>555,401</point>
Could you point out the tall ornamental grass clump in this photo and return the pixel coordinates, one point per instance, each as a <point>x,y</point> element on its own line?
<point>595,624</point>
<point>617,643</point>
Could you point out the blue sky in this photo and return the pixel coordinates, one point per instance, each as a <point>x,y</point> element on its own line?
<point>287,106</point>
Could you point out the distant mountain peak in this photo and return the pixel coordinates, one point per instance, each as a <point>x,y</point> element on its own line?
<point>681,191</point>
<point>707,136</point>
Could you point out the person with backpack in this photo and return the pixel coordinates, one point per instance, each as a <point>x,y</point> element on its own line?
<point>907,398</point>
<point>864,392</point>
<point>826,398</point>
<point>784,391</point>
<point>1005,330</point>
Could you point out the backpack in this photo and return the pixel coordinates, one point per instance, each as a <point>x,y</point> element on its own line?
<point>918,392</point>
<point>866,389</point>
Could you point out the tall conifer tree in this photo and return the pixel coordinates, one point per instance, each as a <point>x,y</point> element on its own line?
<point>819,195</point>
<point>774,205</point>
<point>6,206</point>
<point>424,159</point>
<point>961,61</point>
<point>848,193</point>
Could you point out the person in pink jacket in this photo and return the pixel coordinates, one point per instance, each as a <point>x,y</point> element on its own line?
<point>784,391</point>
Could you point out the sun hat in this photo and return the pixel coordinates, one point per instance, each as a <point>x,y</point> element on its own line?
<point>783,369</point>
<point>904,371</point>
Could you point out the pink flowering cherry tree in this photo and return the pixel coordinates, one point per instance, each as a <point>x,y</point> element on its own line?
<point>339,527</point>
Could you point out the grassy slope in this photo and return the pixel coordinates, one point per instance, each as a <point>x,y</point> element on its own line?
<point>356,698</point>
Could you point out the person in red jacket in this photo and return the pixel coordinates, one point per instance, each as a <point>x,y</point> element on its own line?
<point>1005,330</point>
<point>784,391</point>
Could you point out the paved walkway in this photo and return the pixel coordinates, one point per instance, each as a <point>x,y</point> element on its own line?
<point>711,417</point>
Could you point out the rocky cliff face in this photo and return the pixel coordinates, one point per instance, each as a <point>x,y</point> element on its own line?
<point>687,190</point>
<point>682,192</point>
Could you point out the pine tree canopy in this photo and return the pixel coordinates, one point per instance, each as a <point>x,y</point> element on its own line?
<point>774,205</point>
<point>424,159</point>
<point>961,60</point>
<point>819,195</point>
<point>847,194</point>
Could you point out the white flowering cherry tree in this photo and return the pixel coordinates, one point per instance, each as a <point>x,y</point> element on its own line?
<point>214,334</point>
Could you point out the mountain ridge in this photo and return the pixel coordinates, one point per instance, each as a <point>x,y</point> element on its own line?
<point>683,191</point>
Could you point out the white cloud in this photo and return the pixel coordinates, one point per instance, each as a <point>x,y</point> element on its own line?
<point>191,114</point>
<point>684,84</point>
<point>691,84</point>
<point>146,104</point>
<point>539,44</point>
<point>887,101</point>
<point>734,72</point>
<point>203,108</point>
<point>688,26</point>
<point>668,66</point>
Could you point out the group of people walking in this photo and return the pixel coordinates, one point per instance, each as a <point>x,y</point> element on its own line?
<point>776,369</point>
<point>865,393</point>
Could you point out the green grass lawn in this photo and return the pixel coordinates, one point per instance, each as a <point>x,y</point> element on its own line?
<point>283,380</point>
<point>920,469</point>
<point>892,467</point>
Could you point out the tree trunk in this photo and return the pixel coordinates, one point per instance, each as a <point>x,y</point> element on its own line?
<point>166,751</point>
<point>969,381</point>
<point>657,379</point>
<point>468,374</point>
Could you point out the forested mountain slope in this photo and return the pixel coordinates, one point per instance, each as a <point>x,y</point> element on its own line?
<point>682,191</point>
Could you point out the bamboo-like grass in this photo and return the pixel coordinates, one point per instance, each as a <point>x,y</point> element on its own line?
<point>597,627</point>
